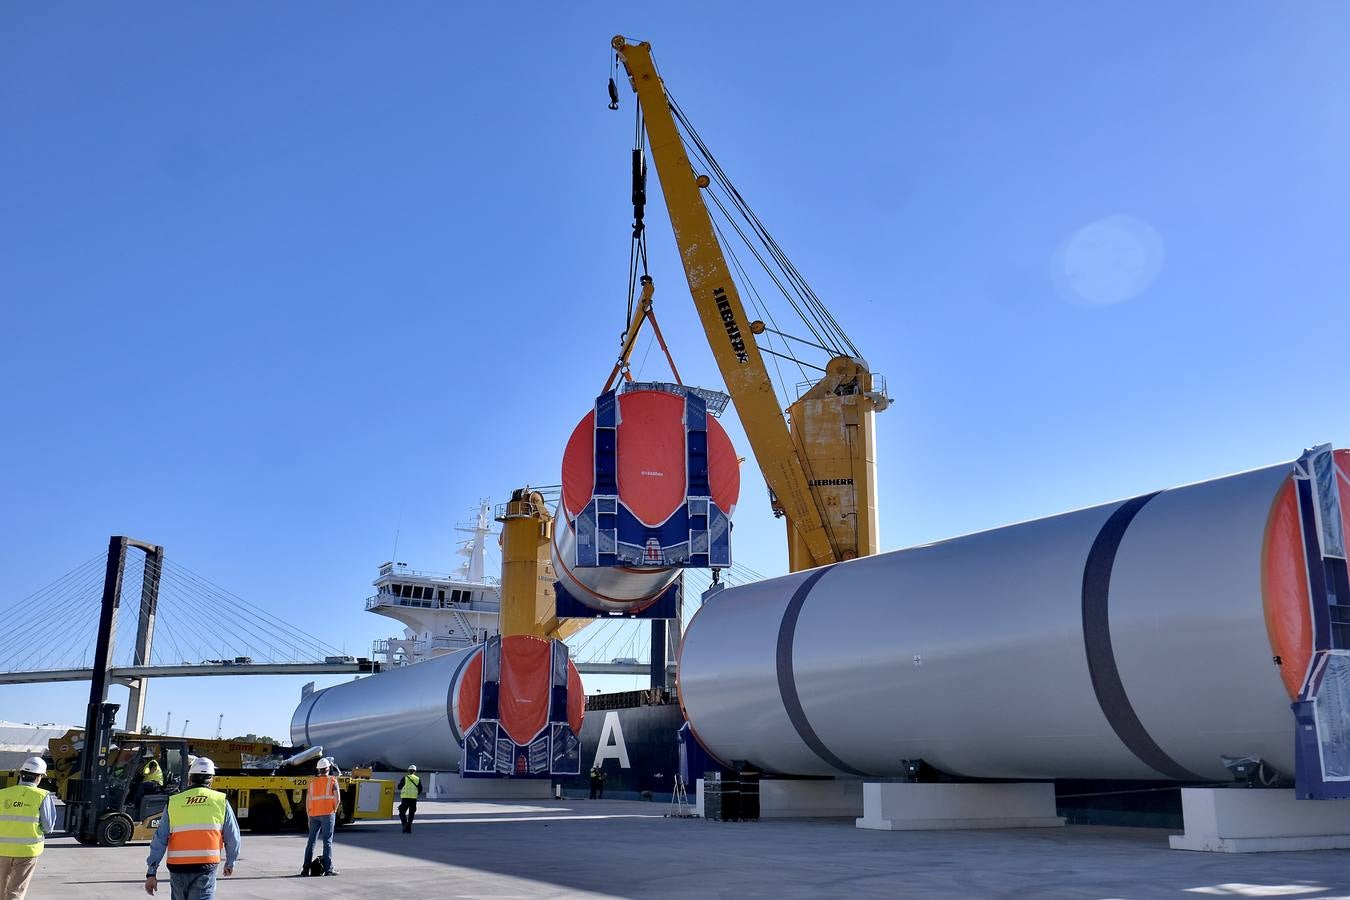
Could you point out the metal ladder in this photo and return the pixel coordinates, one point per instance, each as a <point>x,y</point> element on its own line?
<point>679,802</point>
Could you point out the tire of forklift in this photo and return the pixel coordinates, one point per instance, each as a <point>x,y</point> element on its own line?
<point>114,830</point>
<point>265,817</point>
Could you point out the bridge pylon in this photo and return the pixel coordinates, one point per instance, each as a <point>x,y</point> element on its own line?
<point>107,630</point>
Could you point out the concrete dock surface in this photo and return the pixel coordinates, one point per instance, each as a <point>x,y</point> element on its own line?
<point>581,848</point>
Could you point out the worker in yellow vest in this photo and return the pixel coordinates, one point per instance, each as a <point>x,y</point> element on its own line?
<point>152,774</point>
<point>194,830</point>
<point>321,805</point>
<point>150,780</point>
<point>409,789</point>
<point>27,814</point>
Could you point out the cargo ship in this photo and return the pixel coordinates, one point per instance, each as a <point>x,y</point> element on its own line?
<point>440,612</point>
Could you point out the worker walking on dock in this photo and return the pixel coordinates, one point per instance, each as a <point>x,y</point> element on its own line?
<point>597,783</point>
<point>321,804</point>
<point>409,789</point>
<point>195,827</point>
<point>27,815</point>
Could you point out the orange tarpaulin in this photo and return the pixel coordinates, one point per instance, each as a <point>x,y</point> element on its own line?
<point>576,698</point>
<point>1284,580</point>
<point>470,693</point>
<point>651,448</point>
<point>525,689</point>
<point>524,696</point>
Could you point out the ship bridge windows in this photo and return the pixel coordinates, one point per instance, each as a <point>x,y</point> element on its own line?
<point>413,594</point>
<point>430,596</point>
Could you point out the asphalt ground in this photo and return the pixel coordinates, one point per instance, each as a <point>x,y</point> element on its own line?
<point>580,848</point>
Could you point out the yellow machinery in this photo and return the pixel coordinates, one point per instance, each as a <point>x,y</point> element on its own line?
<point>527,570</point>
<point>819,461</point>
<point>262,800</point>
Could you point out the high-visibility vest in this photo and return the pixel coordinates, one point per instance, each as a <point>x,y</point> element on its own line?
<point>323,796</point>
<point>410,785</point>
<point>153,774</point>
<point>20,822</point>
<point>196,824</point>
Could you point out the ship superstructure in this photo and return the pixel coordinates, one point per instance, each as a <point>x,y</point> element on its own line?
<point>440,612</point>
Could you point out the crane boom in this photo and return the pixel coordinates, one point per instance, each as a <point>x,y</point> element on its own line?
<point>722,313</point>
<point>819,461</point>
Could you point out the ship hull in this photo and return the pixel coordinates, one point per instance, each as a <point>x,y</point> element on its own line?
<point>634,743</point>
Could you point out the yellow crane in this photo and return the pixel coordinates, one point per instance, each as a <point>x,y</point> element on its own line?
<point>820,459</point>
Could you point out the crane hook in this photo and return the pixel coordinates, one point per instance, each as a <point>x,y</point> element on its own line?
<point>613,95</point>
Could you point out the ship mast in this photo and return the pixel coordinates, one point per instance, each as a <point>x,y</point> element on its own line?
<point>474,550</point>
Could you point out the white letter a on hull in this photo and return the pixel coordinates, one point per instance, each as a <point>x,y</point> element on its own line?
<point>611,744</point>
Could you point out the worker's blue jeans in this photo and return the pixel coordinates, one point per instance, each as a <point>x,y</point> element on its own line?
<point>320,825</point>
<point>192,885</point>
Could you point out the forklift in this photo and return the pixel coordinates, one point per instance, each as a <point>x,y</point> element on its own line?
<point>105,804</point>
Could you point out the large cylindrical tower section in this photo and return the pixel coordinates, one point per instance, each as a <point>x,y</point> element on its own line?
<point>398,717</point>
<point>422,714</point>
<point>1123,641</point>
<point>646,459</point>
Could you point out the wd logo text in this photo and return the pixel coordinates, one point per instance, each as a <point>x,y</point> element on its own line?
<point>194,801</point>
<point>729,323</point>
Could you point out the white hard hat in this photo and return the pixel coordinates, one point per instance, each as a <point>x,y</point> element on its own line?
<point>34,764</point>
<point>202,766</point>
<point>412,768</point>
<point>322,764</point>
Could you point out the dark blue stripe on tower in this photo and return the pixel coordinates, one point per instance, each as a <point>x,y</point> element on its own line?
<point>1101,657</point>
<point>787,679</point>
<point>1317,570</point>
<point>606,445</point>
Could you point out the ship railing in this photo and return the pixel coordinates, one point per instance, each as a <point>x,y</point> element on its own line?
<point>402,569</point>
<point>714,401</point>
<point>391,600</point>
<point>390,646</point>
<point>520,509</point>
<point>405,572</point>
<point>452,643</point>
<point>879,386</point>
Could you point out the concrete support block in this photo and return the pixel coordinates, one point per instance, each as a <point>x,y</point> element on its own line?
<point>1250,820</point>
<point>934,807</point>
<point>841,798</point>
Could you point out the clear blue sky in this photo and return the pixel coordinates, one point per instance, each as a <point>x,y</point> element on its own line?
<point>281,279</point>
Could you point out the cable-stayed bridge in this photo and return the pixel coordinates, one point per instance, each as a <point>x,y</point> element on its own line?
<point>133,614</point>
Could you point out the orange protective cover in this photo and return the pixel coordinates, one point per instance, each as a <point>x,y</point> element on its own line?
<point>651,476</point>
<point>524,696</point>
<point>1284,580</point>
<point>470,696</point>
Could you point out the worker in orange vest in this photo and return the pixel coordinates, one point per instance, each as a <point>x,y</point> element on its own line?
<point>194,830</point>
<point>321,805</point>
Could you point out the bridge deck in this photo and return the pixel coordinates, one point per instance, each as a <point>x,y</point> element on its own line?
<point>131,673</point>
